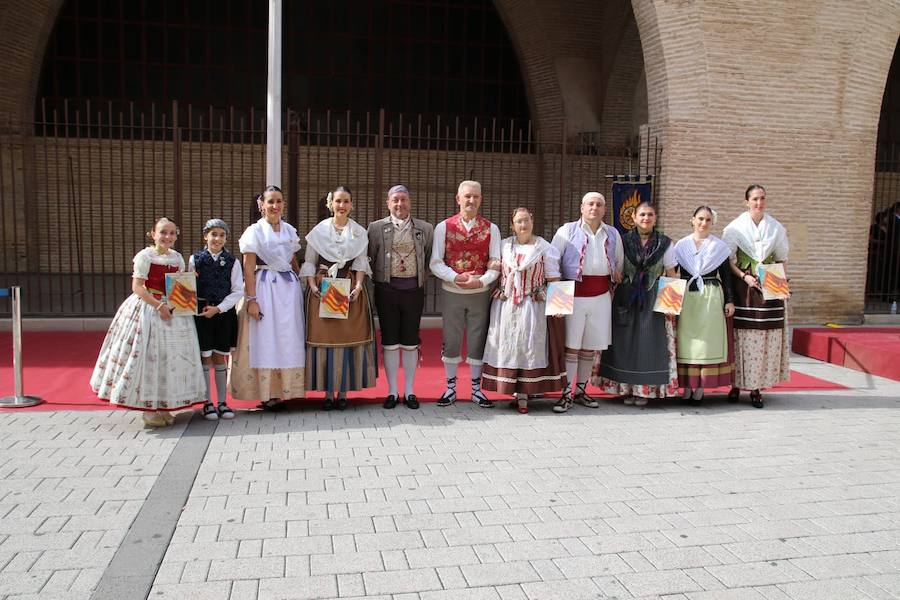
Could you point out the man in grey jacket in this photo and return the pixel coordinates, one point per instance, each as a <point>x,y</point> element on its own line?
<point>400,250</point>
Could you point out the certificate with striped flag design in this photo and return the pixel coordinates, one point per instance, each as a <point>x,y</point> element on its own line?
<point>669,295</point>
<point>560,298</point>
<point>773,281</point>
<point>335,303</point>
<point>181,293</point>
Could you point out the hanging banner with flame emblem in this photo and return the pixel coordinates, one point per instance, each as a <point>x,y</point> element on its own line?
<point>626,196</point>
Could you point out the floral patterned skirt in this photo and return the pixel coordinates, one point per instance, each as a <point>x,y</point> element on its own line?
<point>761,358</point>
<point>146,363</point>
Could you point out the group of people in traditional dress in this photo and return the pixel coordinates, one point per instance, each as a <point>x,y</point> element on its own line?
<point>266,308</point>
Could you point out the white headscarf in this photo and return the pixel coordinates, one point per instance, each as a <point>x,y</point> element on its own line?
<point>275,248</point>
<point>757,241</point>
<point>709,256</point>
<point>339,248</point>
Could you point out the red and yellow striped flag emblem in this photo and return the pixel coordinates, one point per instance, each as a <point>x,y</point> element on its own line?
<point>335,300</point>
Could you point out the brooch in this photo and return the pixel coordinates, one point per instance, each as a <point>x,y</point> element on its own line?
<point>221,263</point>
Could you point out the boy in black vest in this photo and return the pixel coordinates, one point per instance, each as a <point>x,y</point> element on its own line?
<point>220,284</point>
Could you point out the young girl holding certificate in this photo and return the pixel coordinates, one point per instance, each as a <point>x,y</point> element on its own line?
<point>150,360</point>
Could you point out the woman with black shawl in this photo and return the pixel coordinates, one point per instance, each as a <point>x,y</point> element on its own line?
<point>640,362</point>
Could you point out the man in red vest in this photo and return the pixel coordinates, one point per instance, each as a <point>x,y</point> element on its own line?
<point>466,256</point>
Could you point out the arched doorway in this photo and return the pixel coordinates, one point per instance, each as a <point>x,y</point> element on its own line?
<point>883,272</point>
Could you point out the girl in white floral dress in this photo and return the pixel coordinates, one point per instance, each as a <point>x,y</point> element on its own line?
<point>150,360</point>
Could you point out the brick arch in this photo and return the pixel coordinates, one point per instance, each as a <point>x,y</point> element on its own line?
<point>571,54</point>
<point>25,27</point>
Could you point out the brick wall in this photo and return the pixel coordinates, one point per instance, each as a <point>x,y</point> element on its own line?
<point>784,94</point>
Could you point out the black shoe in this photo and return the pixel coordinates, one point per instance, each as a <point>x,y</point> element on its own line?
<point>411,402</point>
<point>341,403</point>
<point>272,404</point>
<point>756,399</point>
<point>449,395</point>
<point>328,404</point>
<point>209,412</point>
<point>734,395</point>
<point>390,402</point>
<point>481,400</point>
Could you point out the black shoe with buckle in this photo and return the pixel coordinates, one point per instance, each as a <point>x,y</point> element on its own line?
<point>411,402</point>
<point>390,402</point>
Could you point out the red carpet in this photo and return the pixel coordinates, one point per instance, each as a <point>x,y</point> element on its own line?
<point>58,369</point>
<point>874,350</point>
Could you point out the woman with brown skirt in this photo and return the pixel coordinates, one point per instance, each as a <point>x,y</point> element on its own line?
<point>340,352</point>
<point>760,325</point>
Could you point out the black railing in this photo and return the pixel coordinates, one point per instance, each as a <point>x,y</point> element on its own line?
<point>79,189</point>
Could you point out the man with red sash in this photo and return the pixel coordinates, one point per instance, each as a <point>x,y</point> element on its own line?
<point>466,256</point>
<point>592,256</point>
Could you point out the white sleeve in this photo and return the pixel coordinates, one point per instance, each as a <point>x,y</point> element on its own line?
<point>670,261</point>
<point>620,253</point>
<point>361,263</point>
<point>437,265</point>
<point>310,262</point>
<point>559,242</point>
<point>141,265</point>
<point>247,241</point>
<point>237,287</point>
<point>191,268</point>
<point>551,262</point>
<point>491,275</point>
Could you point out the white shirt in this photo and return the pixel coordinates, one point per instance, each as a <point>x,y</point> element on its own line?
<point>447,274</point>
<point>595,262</point>
<point>400,225</point>
<point>237,282</point>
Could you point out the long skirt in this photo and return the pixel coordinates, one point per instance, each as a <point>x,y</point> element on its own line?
<point>341,352</point>
<point>761,351</point>
<point>146,363</point>
<point>525,350</point>
<point>705,353</point>
<point>270,356</point>
<point>761,358</point>
<point>642,390</point>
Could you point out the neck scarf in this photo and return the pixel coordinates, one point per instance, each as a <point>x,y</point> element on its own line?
<point>275,248</point>
<point>643,257</point>
<point>338,248</point>
<point>711,254</point>
<point>757,241</point>
<point>514,289</point>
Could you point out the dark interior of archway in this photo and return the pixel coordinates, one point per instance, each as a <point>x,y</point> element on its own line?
<point>889,123</point>
<point>883,269</point>
<point>446,57</point>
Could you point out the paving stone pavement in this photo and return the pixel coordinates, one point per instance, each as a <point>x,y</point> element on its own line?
<point>798,501</point>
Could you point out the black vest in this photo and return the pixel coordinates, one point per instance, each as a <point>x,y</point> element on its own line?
<point>213,275</point>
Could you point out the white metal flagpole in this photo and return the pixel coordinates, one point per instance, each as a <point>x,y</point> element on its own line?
<point>273,97</point>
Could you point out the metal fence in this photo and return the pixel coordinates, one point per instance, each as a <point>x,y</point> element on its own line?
<point>883,272</point>
<point>79,191</point>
